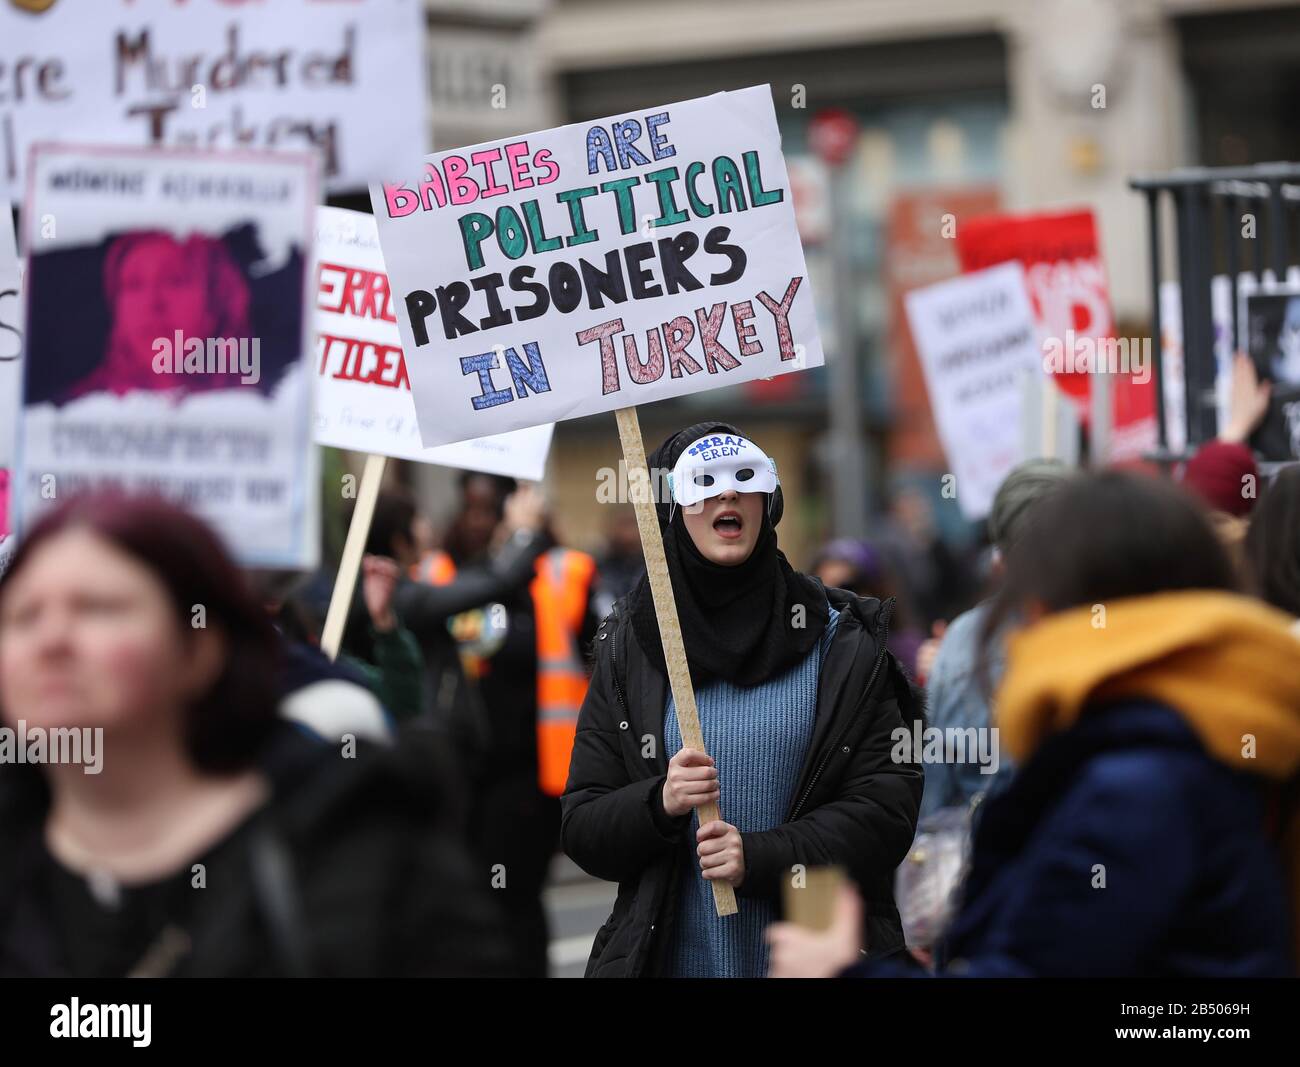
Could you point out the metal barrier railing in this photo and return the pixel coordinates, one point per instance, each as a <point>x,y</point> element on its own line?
<point>1209,218</point>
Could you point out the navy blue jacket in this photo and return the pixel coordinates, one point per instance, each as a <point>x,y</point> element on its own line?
<point>1193,882</point>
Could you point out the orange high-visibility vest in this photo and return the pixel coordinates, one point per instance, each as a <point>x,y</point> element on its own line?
<point>436,568</point>
<point>560,589</point>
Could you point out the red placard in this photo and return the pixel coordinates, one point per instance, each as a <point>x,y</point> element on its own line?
<point>1068,290</point>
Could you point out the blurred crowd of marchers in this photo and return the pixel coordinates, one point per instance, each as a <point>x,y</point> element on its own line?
<point>259,807</point>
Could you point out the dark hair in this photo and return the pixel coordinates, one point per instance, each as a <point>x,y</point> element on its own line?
<point>393,518</point>
<point>1025,485</point>
<point>500,483</point>
<point>1106,536</point>
<point>456,542</point>
<point>227,726</point>
<point>1273,542</point>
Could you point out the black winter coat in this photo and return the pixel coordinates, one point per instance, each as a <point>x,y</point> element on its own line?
<point>455,705</point>
<point>855,807</point>
<point>350,869</point>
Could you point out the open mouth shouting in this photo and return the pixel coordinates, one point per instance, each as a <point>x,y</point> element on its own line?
<point>729,525</point>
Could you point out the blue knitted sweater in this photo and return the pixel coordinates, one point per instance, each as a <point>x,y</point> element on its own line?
<point>758,738</point>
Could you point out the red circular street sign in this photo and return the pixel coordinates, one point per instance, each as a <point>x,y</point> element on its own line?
<point>832,133</point>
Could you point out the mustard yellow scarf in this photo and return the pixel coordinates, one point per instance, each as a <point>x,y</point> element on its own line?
<point>1230,666</point>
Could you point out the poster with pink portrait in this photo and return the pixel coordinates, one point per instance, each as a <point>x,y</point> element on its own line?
<point>167,338</point>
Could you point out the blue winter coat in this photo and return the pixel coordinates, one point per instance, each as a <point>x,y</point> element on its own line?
<point>1121,848</point>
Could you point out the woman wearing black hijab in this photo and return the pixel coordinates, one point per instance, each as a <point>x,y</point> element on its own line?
<point>798,702</point>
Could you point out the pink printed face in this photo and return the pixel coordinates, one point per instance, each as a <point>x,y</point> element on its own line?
<point>162,289</point>
<point>89,638</point>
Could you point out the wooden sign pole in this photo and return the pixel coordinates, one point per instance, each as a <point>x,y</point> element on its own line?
<point>354,548</point>
<point>670,631</point>
<point>1051,417</point>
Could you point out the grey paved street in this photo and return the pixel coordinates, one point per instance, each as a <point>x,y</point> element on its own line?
<point>576,906</point>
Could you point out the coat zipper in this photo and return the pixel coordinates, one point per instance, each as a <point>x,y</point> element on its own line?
<point>613,659</point>
<point>886,611</point>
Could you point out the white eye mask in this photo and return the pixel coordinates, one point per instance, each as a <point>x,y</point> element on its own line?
<point>720,462</point>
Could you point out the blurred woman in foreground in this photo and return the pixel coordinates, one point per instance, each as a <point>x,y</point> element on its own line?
<point>1155,715</point>
<point>196,834</point>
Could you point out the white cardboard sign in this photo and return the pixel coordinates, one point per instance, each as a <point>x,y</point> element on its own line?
<point>977,341</point>
<point>345,80</point>
<point>363,396</point>
<point>11,369</point>
<point>598,266</point>
<point>166,345</point>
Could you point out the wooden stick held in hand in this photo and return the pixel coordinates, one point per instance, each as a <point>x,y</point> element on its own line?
<point>670,631</point>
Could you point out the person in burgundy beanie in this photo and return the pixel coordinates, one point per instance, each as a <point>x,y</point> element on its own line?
<point>1223,474</point>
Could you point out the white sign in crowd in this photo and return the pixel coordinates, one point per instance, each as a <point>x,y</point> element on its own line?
<point>345,80</point>
<point>977,340</point>
<point>363,395</point>
<point>597,266</point>
<point>11,339</point>
<point>167,338</point>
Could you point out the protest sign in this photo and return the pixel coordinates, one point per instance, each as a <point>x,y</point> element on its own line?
<point>597,266</point>
<point>1071,301</point>
<point>345,80</point>
<point>166,338</point>
<point>1273,339</point>
<point>1172,366</point>
<point>11,348</point>
<point>1225,342</point>
<point>363,396</point>
<point>1226,345</point>
<point>977,340</point>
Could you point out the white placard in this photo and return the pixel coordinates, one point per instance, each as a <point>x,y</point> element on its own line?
<point>1172,367</point>
<point>363,398</point>
<point>977,341</point>
<point>11,347</point>
<point>598,266</point>
<point>345,80</point>
<point>166,343</point>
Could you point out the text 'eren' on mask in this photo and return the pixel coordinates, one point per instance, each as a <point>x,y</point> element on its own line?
<point>721,463</point>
